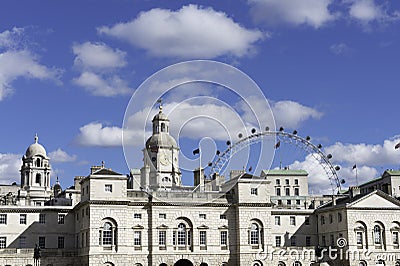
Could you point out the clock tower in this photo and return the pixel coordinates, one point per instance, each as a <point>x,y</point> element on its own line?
<point>161,162</point>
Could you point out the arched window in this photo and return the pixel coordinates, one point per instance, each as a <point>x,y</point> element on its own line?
<point>254,234</point>
<point>257,263</point>
<point>362,263</point>
<point>162,127</point>
<point>107,234</point>
<point>38,162</point>
<point>181,234</point>
<point>297,263</point>
<point>38,178</point>
<point>281,263</point>
<point>377,235</point>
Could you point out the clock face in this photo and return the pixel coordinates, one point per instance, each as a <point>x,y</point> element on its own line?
<point>164,158</point>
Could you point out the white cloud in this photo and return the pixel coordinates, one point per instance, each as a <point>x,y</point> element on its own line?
<point>102,85</point>
<point>191,31</point>
<point>98,62</point>
<point>291,114</point>
<point>366,11</point>
<point>61,156</point>
<point>17,61</point>
<point>10,165</point>
<point>366,154</point>
<point>98,56</point>
<point>21,64</point>
<point>313,13</point>
<point>95,134</point>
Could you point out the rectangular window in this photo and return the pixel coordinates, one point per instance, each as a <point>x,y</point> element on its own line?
<point>359,238</point>
<point>296,191</point>
<point>253,191</point>
<point>323,240</point>
<point>307,221</point>
<point>277,220</point>
<point>3,242</point>
<point>339,217</point>
<point>137,216</point>
<point>224,238</point>
<point>60,242</point>
<point>22,242</point>
<point>296,182</point>
<point>322,219</point>
<point>203,238</point>
<point>332,240</point>
<point>61,218</point>
<point>37,203</point>
<point>87,211</point>
<point>278,241</point>
<point>293,241</point>
<point>162,215</point>
<point>279,202</point>
<point>297,202</point>
<point>162,238</point>
<point>108,188</point>
<point>287,191</point>
<point>42,218</point>
<point>330,218</point>
<point>278,182</point>
<point>278,191</point>
<point>137,238</point>
<point>308,241</point>
<point>202,216</point>
<point>174,238</point>
<point>87,239</point>
<point>3,218</point>
<point>289,202</point>
<point>22,219</point>
<point>292,220</point>
<point>287,182</point>
<point>395,237</point>
<point>222,216</point>
<point>42,242</point>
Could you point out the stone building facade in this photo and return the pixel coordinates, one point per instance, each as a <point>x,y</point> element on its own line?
<point>149,218</point>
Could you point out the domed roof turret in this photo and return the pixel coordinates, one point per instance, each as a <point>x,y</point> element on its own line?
<point>35,149</point>
<point>161,140</point>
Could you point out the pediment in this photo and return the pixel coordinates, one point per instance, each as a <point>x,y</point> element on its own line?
<point>375,200</point>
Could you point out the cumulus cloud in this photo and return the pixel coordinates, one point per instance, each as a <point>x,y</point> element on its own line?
<point>102,85</point>
<point>314,13</point>
<point>366,11</point>
<point>193,118</point>
<point>191,31</point>
<point>97,134</point>
<point>60,156</point>
<point>10,165</point>
<point>291,114</point>
<point>97,55</point>
<point>98,62</point>
<point>365,154</point>
<point>17,61</point>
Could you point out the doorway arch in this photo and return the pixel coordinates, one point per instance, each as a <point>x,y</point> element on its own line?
<point>183,262</point>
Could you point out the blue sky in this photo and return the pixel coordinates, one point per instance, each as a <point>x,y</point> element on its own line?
<point>68,69</point>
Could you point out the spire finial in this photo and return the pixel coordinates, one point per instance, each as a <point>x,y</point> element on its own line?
<point>160,105</point>
<point>102,164</point>
<point>57,180</point>
<point>36,138</point>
